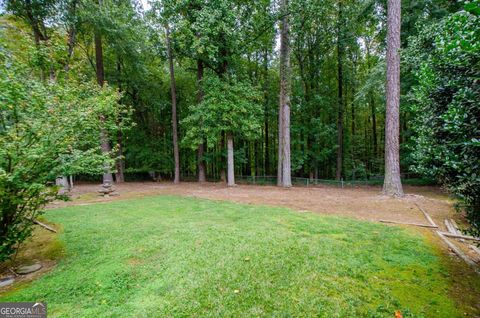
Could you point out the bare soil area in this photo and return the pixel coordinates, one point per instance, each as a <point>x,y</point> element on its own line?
<point>363,202</point>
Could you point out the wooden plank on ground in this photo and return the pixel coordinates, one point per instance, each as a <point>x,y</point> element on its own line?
<point>410,223</point>
<point>466,237</point>
<point>455,227</point>
<point>455,249</point>
<point>449,227</point>
<point>44,226</point>
<point>475,248</point>
<point>427,216</point>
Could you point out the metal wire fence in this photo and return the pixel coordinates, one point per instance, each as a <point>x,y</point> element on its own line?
<point>307,182</point>
<point>311,182</point>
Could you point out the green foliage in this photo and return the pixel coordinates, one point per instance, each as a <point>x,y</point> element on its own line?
<point>446,105</point>
<point>47,129</point>
<point>169,256</point>
<point>228,106</point>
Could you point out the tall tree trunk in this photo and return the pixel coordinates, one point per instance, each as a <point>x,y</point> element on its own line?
<point>366,146</point>
<point>280,143</point>
<point>266,149</point>
<point>354,73</point>
<point>338,174</point>
<point>252,158</point>
<point>266,170</point>
<point>374,125</point>
<point>174,107</point>
<point>105,144</point>
<point>100,71</point>
<point>392,184</point>
<point>201,148</point>
<point>353,119</point>
<point>284,112</point>
<point>258,150</point>
<point>220,161</point>
<point>230,163</point>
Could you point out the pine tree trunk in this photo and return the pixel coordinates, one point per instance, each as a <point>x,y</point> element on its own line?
<point>284,168</point>
<point>266,170</point>
<point>392,184</point>
<point>266,150</point>
<point>353,103</point>
<point>176,154</point>
<point>104,142</point>
<point>280,143</point>
<point>338,174</point>
<point>201,148</point>
<point>230,163</point>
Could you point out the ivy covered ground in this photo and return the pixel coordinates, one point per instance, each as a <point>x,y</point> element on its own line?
<point>170,256</point>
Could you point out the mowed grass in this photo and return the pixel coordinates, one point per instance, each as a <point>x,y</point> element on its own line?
<point>169,256</point>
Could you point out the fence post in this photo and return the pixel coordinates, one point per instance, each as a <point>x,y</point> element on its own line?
<point>342,182</point>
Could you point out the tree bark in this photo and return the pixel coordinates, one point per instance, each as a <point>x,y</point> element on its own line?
<point>230,163</point>
<point>266,170</point>
<point>201,148</point>
<point>392,184</point>
<point>280,143</point>
<point>104,142</point>
<point>176,154</point>
<point>338,174</point>
<point>100,70</point>
<point>374,125</point>
<point>284,167</point>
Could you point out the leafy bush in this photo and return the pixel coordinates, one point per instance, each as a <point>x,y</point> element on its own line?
<point>46,130</point>
<point>446,104</point>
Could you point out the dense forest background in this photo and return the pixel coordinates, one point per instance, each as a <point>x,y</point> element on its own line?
<point>220,61</point>
<point>338,76</point>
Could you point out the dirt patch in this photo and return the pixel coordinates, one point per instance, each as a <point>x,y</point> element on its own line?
<point>363,202</point>
<point>135,262</point>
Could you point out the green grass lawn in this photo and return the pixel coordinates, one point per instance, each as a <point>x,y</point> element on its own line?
<point>170,256</point>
